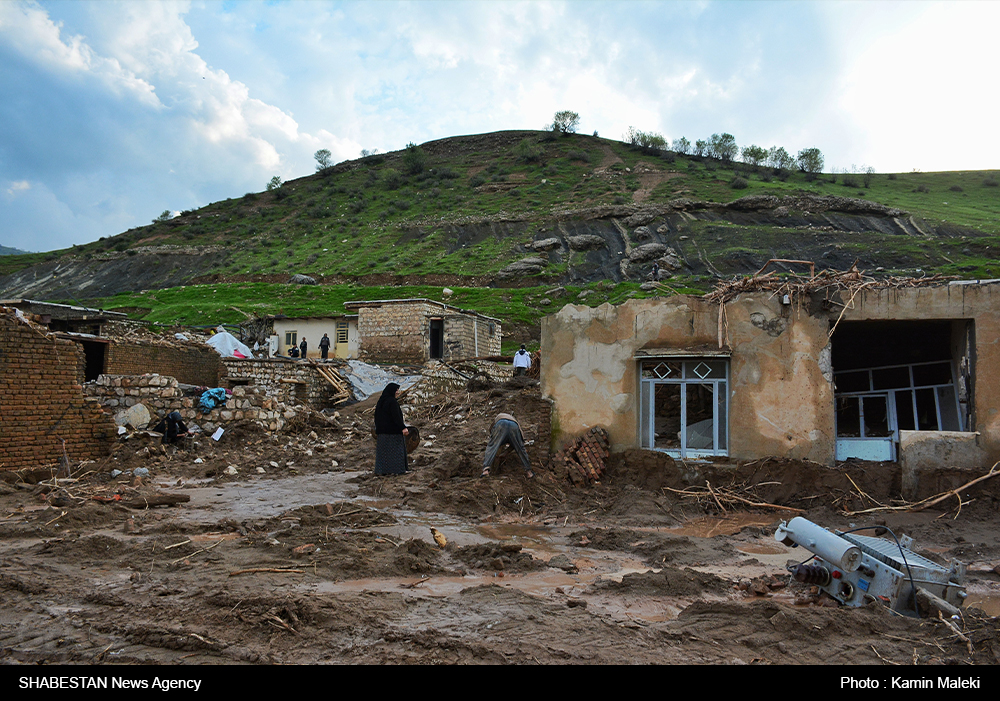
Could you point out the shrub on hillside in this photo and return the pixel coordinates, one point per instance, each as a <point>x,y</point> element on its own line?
<point>414,159</point>
<point>739,183</point>
<point>477,180</point>
<point>391,179</point>
<point>527,151</point>
<point>990,182</point>
<point>955,188</point>
<point>922,188</point>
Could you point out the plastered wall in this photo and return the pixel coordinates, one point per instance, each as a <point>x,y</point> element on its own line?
<point>780,388</point>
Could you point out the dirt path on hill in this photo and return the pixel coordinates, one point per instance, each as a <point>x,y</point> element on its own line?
<point>303,556</point>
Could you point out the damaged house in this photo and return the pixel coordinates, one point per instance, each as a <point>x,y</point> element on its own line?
<point>413,331</point>
<point>833,370</point>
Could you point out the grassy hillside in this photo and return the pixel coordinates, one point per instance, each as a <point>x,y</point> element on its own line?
<point>465,207</point>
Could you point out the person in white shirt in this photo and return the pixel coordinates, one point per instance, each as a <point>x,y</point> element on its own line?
<point>522,361</point>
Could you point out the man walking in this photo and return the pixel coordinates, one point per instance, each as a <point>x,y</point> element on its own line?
<point>522,361</point>
<point>324,345</point>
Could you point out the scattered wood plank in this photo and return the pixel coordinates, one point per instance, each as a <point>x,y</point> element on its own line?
<point>156,500</point>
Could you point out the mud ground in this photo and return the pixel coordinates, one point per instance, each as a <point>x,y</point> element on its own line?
<point>303,556</point>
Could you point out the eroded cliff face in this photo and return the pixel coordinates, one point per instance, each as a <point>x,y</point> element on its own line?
<point>615,243</point>
<point>146,269</point>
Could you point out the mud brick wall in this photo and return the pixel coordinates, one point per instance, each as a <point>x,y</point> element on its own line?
<point>468,336</point>
<point>42,402</point>
<point>161,395</point>
<point>396,333</point>
<point>272,375</point>
<point>192,365</point>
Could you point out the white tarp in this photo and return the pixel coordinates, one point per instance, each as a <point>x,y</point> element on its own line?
<point>367,379</point>
<point>228,346</point>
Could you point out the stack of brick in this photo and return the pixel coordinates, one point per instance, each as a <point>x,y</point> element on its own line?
<point>586,458</point>
<point>41,401</point>
<point>161,395</point>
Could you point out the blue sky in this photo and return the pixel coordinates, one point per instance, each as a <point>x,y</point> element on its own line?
<point>113,112</point>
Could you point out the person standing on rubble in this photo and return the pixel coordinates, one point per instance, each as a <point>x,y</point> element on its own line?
<point>391,432</point>
<point>304,348</point>
<point>324,345</point>
<point>522,361</point>
<point>505,429</point>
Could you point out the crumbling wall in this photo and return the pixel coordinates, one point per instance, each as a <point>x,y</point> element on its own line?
<point>191,364</point>
<point>41,400</point>
<point>161,395</point>
<point>955,301</point>
<point>437,378</point>
<point>288,381</point>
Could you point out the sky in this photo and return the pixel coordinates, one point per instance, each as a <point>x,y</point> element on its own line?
<point>114,112</point>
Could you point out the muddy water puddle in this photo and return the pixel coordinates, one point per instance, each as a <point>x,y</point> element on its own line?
<point>261,498</point>
<point>711,526</point>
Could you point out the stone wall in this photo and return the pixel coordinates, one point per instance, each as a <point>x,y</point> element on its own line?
<point>399,332</point>
<point>395,333</point>
<point>41,400</point>
<point>288,381</point>
<point>437,378</point>
<point>468,336</point>
<point>161,395</point>
<point>191,364</point>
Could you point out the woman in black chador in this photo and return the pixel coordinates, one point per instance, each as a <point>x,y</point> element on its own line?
<point>390,445</point>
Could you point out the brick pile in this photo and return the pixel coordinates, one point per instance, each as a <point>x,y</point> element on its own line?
<point>41,401</point>
<point>586,458</point>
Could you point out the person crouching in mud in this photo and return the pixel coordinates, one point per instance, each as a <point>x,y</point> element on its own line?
<point>391,432</point>
<point>505,429</point>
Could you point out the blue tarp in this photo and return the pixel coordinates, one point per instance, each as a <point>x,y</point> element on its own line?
<point>212,399</point>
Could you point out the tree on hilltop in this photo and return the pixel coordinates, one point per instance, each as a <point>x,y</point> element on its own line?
<point>810,161</point>
<point>723,147</point>
<point>324,159</point>
<point>753,155</point>
<point>565,122</point>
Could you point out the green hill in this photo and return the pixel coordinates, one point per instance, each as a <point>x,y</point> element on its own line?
<point>517,214</point>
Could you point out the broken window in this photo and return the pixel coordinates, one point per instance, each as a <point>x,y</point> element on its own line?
<point>896,376</point>
<point>684,406</point>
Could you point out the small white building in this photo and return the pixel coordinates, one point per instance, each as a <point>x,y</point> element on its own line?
<point>342,330</point>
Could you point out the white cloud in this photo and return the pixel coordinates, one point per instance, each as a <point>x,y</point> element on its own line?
<point>18,187</point>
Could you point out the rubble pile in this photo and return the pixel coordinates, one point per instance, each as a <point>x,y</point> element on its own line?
<point>586,458</point>
<point>161,395</point>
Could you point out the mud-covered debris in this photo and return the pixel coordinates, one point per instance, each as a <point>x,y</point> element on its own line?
<point>563,563</point>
